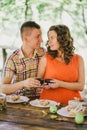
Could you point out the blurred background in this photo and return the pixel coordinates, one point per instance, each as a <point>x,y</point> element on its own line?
<point>45,12</point>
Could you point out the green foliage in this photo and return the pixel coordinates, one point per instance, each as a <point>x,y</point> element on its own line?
<point>15,12</point>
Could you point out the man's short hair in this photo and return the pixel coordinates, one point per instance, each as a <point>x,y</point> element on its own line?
<point>29,24</point>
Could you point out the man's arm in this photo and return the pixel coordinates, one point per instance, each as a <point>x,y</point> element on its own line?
<point>9,88</point>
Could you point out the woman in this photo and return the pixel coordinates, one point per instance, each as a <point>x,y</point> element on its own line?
<point>63,66</point>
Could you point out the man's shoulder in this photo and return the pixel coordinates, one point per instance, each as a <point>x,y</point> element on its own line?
<point>14,54</point>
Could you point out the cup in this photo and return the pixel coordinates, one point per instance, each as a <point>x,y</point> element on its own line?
<point>47,81</point>
<point>73,103</point>
<point>41,80</point>
<point>2,102</point>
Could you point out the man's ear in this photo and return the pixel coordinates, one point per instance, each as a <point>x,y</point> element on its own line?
<point>25,38</point>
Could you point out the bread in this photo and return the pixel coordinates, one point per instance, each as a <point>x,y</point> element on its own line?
<point>44,102</point>
<point>72,113</point>
<point>74,107</point>
<point>15,97</point>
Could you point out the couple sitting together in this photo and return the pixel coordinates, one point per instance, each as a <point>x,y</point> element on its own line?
<point>59,63</point>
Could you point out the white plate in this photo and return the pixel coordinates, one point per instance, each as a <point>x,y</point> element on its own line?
<point>63,112</point>
<point>36,103</point>
<point>22,99</point>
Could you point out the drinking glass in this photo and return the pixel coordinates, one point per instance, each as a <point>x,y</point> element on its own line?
<point>2,101</point>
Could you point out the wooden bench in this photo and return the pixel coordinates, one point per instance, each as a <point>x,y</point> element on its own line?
<point>4,53</point>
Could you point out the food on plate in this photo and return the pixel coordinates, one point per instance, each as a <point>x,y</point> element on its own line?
<point>71,105</point>
<point>76,106</point>
<point>15,97</point>
<point>53,109</point>
<point>44,102</point>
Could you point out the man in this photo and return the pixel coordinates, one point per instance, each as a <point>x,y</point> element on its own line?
<point>20,68</point>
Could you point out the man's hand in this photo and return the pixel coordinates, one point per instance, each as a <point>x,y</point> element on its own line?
<point>31,83</point>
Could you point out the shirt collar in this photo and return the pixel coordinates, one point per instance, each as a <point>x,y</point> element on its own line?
<point>21,55</point>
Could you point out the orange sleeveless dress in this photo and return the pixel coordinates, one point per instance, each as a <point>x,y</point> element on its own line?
<point>61,71</point>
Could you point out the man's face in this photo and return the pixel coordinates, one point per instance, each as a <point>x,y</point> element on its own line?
<point>34,38</point>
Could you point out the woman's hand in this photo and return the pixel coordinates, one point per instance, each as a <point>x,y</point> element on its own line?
<point>54,84</point>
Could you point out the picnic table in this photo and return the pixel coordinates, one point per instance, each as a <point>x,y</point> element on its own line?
<point>22,116</point>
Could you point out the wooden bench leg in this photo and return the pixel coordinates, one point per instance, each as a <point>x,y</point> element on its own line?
<point>4,55</point>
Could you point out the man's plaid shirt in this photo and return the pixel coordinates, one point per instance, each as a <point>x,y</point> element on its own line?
<point>20,68</point>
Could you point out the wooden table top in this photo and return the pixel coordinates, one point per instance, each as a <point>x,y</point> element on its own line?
<point>27,117</point>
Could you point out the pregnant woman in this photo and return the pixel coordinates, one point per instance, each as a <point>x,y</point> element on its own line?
<point>62,65</point>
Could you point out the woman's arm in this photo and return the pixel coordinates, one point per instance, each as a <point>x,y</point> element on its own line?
<point>41,67</point>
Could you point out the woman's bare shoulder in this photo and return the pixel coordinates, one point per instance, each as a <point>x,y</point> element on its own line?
<point>43,57</point>
<point>79,56</point>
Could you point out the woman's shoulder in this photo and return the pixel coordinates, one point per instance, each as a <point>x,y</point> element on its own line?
<point>77,56</point>
<point>48,56</point>
<point>45,58</point>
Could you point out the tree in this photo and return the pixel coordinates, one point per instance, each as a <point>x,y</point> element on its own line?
<point>15,12</point>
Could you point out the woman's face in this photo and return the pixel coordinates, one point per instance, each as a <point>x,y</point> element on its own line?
<point>52,40</point>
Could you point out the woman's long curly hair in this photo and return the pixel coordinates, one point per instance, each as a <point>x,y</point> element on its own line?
<point>65,40</point>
